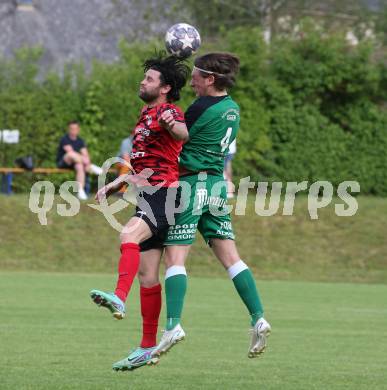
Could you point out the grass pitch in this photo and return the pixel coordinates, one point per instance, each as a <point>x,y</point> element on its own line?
<point>325,336</point>
<point>332,248</point>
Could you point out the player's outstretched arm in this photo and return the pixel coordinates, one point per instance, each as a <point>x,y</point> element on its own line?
<point>112,188</point>
<point>179,131</point>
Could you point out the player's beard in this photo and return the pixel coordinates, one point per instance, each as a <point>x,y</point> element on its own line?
<point>149,96</point>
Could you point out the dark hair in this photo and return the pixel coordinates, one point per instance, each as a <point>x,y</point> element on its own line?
<point>173,72</point>
<point>73,122</point>
<point>224,66</point>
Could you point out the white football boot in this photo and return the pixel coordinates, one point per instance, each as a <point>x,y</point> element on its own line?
<point>260,333</point>
<point>169,339</point>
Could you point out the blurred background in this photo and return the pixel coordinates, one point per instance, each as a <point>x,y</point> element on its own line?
<point>312,91</point>
<point>312,87</point>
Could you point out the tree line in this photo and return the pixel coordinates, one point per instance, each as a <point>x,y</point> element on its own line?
<point>312,105</point>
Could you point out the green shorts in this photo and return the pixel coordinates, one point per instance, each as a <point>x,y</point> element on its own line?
<point>204,199</point>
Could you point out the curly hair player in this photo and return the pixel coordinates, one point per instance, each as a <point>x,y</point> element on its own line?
<point>158,138</point>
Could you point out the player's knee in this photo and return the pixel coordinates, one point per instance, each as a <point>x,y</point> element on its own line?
<point>225,251</point>
<point>126,237</point>
<point>135,231</point>
<point>171,260</point>
<point>147,279</point>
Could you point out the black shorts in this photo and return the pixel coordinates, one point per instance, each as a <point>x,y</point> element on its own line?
<point>156,206</point>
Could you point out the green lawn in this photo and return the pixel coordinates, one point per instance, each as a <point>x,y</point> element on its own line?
<point>325,336</point>
<point>294,247</point>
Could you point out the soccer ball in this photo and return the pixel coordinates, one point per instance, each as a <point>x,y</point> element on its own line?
<point>182,40</point>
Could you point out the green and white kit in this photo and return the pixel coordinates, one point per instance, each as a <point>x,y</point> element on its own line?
<point>213,123</point>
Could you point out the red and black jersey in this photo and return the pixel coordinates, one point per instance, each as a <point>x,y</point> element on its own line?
<point>154,147</point>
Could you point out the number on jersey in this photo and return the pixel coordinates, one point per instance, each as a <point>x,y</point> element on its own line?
<point>226,139</point>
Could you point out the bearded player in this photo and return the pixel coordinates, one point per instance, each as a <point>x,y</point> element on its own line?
<point>157,143</point>
<point>213,122</point>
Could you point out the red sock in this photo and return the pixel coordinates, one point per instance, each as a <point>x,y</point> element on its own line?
<point>127,269</point>
<point>150,311</point>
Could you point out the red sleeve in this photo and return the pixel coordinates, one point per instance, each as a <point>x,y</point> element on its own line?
<point>176,111</point>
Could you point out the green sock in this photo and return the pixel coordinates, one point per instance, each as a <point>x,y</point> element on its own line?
<point>247,290</point>
<point>175,288</point>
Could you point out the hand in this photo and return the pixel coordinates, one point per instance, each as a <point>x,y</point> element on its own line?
<point>104,192</point>
<point>112,187</point>
<point>129,166</point>
<point>167,120</point>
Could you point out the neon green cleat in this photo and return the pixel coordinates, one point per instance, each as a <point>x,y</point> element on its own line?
<point>136,359</point>
<point>110,301</point>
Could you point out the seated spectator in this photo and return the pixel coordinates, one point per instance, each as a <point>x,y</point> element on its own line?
<point>73,154</point>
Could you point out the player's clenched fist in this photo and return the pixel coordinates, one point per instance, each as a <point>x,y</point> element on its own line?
<point>167,120</point>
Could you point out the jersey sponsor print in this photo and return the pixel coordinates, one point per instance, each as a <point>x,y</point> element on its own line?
<point>154,147</point>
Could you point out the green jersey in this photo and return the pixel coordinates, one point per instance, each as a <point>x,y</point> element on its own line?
<point>213,122</point>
